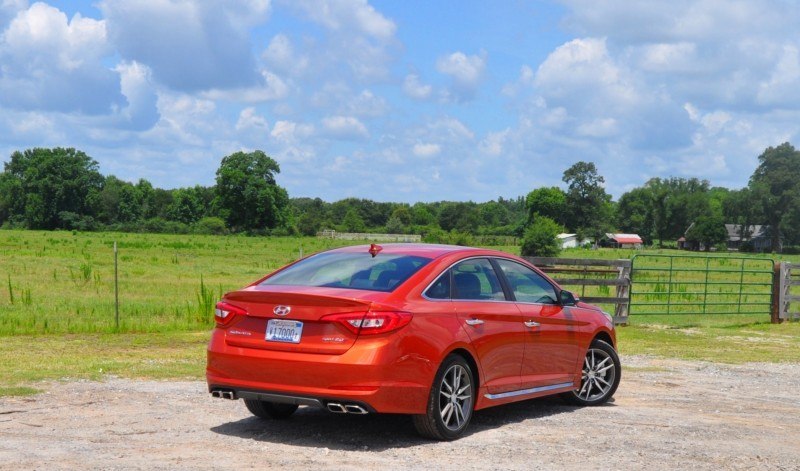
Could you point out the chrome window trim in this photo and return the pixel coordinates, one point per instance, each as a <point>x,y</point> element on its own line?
<point>488,257</point>
<point>557,303</point>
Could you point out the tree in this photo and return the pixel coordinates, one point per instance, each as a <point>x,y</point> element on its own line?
<point>674,204</point>
<point>421,215</point>
<point>541,239</point>
<point>463,217</point>
<point>743,208</point>
<point>493,214</point>
<point>47,182</point>
<point>588,204</point>
<point>634,213</point>
<point>352,222</point>
<point>247,194</point>
<point>775,182</point>
<point>403,215</point>
<point>187,205</point>
<point>549,202</point>
<point>708,230</point>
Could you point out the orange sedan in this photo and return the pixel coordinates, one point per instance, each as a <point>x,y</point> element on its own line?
<point>432,331</point>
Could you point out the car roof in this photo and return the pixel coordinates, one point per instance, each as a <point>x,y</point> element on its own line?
<point>420,250</point>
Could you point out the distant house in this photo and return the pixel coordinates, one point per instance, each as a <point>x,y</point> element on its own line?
<point>622,241</point>
<point>570,241</point>
<point>757,235</point>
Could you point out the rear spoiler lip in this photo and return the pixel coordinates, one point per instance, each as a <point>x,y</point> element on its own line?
<point>307,299</point>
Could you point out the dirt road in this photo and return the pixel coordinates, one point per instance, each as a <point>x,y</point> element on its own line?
<point>666,415</point>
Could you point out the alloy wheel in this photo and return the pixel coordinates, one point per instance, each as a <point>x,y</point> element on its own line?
<point>455,397</point>
<point>598,375</point>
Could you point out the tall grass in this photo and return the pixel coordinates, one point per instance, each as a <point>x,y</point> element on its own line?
<point>63,282</point>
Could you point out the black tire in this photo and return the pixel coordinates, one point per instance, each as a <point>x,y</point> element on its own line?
<point>270,410</point>
<point>600,376</point>
<point>447,415</point>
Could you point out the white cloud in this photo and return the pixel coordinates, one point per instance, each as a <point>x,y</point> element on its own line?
<point>250,119</point>
<point>347,15</point>
<point>426,150</point>
<point>413,87</point>
<point>135,82</point>
<point>494,143</point>
<point>599,128</point>
<point>270,88</point>
<point>290,132</point>
<point>451,129</point>
<point>466,72</point>
<point>9,9</point>
<point>188,45</point>
<point>344,127</point>
<point>665,57</point>
<point>281,55</point>
<point>52,63</point>
<point>783,86</point>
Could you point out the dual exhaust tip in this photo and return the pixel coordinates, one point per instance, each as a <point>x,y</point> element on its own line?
<point>337,408</point>
<point>334,407</point>
<point>223,394</point>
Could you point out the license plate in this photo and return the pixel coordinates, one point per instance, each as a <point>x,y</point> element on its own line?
<point>280,330</point>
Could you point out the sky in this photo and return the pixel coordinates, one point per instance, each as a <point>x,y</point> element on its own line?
<point>405,101</point>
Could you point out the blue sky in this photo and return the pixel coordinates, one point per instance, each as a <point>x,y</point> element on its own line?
<point>404,100</point>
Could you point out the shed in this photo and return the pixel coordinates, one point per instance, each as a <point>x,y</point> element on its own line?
<point>623,241</point>
<point>570,241</point>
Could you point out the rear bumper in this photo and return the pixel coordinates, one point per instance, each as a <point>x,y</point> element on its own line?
<point>279,398</point>
<point>372,374</point>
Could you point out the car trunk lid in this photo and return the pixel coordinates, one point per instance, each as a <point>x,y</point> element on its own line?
<point>293,321</point>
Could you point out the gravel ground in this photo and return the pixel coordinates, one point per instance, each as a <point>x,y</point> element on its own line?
<point>666,414</point>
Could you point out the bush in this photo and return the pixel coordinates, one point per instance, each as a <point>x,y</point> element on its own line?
<point>540,238</point>
<point>77,222</point>
<point>162,226</point>
<point>211,226</point>
<point>454,237</point>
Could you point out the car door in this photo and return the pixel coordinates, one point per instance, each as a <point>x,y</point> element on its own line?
<point>492,322</point>
<point>551,331</point>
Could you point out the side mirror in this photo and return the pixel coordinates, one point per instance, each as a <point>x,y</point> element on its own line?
<point>567,298</point>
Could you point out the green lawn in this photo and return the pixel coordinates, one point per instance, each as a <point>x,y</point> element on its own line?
<point>57,306</point>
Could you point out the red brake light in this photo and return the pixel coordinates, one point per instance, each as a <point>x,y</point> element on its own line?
<point>224,313</point>
<point>371,323</point>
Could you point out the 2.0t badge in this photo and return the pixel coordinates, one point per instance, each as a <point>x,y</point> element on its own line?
<point>282,310</point>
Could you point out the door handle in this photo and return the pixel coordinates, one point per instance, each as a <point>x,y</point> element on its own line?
<point>474,322</point>
<point>531,324</point>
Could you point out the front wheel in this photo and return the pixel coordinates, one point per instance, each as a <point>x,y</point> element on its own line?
<point>600,376</point>
<point>450,402</point>
<point>270,410</point>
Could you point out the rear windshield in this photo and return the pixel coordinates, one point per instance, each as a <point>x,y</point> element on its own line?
<point>350,270</point>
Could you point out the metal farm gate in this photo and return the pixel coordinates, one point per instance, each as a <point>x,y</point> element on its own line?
<point>691,285</point>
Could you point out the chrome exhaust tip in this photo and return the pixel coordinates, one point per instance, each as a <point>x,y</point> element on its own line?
<point>336,408</point>
<point>355,409</point>
<point>223,394</point>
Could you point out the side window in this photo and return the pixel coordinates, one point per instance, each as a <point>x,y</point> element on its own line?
<point>441,288</point>
<point>527,285</point>
<point>476,279</point>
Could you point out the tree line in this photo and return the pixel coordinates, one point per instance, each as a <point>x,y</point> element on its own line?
<point>62,188</point>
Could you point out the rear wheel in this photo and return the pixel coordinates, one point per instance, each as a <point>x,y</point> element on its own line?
<point>599,378</point>
<point>270,410</point>
<point>450,402</point>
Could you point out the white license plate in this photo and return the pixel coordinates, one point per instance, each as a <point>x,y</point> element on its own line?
<point>279,330</point>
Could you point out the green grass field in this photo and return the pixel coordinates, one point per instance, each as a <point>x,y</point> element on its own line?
<point>57,318</point>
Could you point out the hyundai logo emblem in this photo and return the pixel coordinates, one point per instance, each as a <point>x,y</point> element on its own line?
<point>282,310</point>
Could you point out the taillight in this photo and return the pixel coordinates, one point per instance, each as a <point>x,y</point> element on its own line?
<point>224,313</point>
<point>371,323</point>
